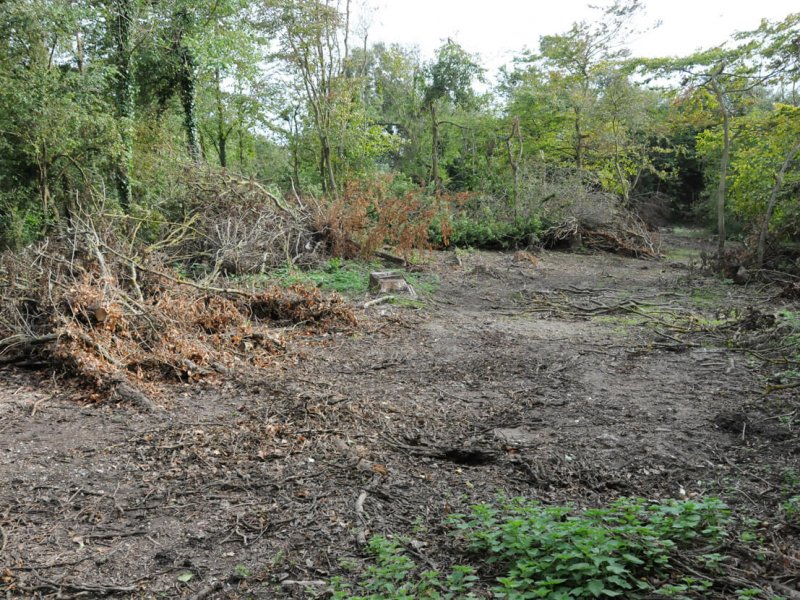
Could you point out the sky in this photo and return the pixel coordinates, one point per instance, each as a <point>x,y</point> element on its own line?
<point>498,29</point>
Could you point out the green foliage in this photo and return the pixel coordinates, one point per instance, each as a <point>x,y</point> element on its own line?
<point>395,576</point>
<point>345,277</point>
<point>623,550</point>
<point>450,77</point>
<point>554,552</point>
<point>764,140</point>
<point>492,232</point>
<point>791,511</point>
<point>100,102</point>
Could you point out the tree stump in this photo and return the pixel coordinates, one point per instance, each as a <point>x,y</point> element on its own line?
<point>389,282</point>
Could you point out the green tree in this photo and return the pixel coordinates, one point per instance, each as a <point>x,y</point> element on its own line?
<point>448,83</point>
<point>577,61</point>
<point>56,130</point>
<point>314,43</point>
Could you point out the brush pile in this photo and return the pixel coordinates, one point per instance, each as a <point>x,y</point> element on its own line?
<point>239,227</point>
<point>120,319</point>
<point>598,222</point>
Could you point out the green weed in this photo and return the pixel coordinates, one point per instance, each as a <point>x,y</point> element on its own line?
<point>791,511</point>
<point>534,551</point>
<point>391,577</point>
<point>683,254</point>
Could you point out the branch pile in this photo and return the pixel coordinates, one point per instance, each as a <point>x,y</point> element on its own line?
<point>599,222</point>
<point>243,227</point>
<point>120,321</point>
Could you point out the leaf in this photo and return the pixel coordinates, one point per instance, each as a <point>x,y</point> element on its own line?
<point>185,577</point>
<point>633,559</point>
<point>596,587</point>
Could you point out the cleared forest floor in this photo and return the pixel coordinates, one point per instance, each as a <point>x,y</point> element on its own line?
<point>571,379</point>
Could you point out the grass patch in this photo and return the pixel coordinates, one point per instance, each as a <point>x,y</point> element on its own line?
<point>414,303</point>
<point>708,296</point>
<point>691,233</point>
<point>626,320</point>
<point>423,283</point>
<point>683,254</point>
<point>350,278</point>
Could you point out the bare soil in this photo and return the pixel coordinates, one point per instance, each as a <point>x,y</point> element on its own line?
<point>248,488</point>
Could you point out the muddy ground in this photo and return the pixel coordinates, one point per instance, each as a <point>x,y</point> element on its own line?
<point>509,378</point>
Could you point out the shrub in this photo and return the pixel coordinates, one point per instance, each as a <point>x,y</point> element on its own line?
<point>368,216</point>
<point>534,551</point>
<point>553,552</point>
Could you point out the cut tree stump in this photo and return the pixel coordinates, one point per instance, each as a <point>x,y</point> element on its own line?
<point>389,282</point>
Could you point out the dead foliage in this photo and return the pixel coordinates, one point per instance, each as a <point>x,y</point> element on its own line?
<point>368,216</point>
<point>790,290</point>
<point>121,320</point>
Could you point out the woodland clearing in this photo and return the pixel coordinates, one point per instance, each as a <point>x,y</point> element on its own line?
<point>564,377</point>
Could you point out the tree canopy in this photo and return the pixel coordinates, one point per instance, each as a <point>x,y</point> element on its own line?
<point>107,102</point>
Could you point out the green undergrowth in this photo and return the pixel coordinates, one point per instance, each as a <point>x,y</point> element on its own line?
<point>691,232</point>
<point>683,254</point>
<point>633,548</point>
<point>488,232</point>
<point>347,277</point>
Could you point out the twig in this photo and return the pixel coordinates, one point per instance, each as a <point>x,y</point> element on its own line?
<point>376,301</point>
<point>206,591</point>
<point>302,583</point>
<point>103,590</point>
<point>361,535</point>
<point>785,590</point>
<point>778,387</point>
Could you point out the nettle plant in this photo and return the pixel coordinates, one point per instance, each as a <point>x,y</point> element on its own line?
<point>558,553</point>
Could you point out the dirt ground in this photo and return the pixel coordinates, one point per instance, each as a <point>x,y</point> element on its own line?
<point>509,378</point>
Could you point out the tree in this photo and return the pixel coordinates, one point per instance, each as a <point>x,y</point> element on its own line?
<point>731,79</point>
<point>122,20</point>
<point>314,42</point>
<point>448,82</point>
<point>577,60</point>
<point>624,126</point>
<point>55,124</point>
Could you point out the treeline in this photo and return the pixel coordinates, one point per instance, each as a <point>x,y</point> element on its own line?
<point>111,105</point>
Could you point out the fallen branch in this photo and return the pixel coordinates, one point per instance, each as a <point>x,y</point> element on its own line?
<point>361,534</point>
<point>96,590</point>
<point>207,591</point>
<point>376,301</point>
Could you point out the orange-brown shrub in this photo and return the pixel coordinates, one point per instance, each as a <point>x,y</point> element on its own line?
<point>368,216</point>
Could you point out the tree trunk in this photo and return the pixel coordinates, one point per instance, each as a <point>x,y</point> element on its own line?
<point>723,166</point>
<point>578,141</point>
<point>435,179</point>
<point>326,166</point>
<point>773,200</point>
<point>188,88</point>
<point>44,184</point>
<point>222,137</point>
<point>79,52</point>
<point>514,161</point>
<point>123,96</point>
